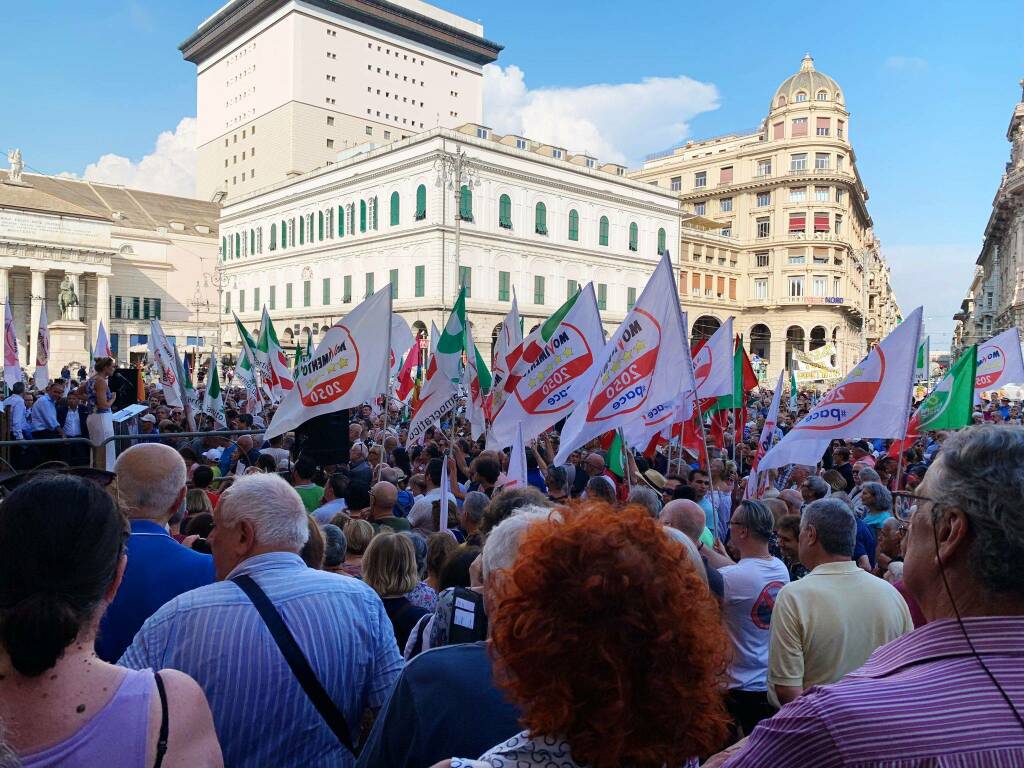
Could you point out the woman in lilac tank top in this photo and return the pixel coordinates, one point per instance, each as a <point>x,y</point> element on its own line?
<point>62,557</point>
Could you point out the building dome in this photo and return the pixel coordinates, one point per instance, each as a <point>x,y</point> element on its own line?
<point>807,85</point>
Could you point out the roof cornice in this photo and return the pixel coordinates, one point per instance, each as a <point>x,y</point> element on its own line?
<point>242,15</point>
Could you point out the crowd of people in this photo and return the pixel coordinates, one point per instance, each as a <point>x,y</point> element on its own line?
<point>235,601</point>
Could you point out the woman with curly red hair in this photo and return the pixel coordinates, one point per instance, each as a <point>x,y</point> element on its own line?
<point>609,642</point>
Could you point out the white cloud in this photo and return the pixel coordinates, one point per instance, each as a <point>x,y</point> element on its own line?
<point>170,168</point>
<point>616,123</point>
<point>935,276</point>
<point>906,64</point>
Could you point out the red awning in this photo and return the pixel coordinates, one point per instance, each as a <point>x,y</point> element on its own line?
<point>797,223</point>
<point>727,175</point>
<point>821,222</point>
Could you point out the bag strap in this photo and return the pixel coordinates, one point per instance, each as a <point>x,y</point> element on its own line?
<point>161,744</point>
<point>296,660</point>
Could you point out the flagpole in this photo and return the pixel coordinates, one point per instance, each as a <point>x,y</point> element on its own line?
<point>387,381</point>
<point>707,455</point>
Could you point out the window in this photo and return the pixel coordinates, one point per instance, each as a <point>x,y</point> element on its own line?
<point>272,298</point>
<point>798,162</point>
<point>369,285</point>
<point>725,176</point>
<point>319,226</point>
<point>840,126</point>
<point>835,286</point>
<point>761,288</point>
<point>466,280</point>
<point>394,209</point>
<point>256,300</point>
<point>481,133</point>
<point>284,235</point>
<point>725,204</point>
<point>796,286</point>
<point>764,167</point>
<point>556,153</point>
<point>676,183</point>
<point>819,285</point>
<point>726,231</point>
<point>822,126</point>
<point>661,242</point>
<point>801,96</point>
<point>374,208</point>
<point>571,288</point>
<point>764,199</point>
<point>821,194</point>
<point>797,194</point>
<point>330,120</point>
<point>761,259</point>
<point>288,296</point>
<point>797,223</point>
<point>763,227</point>
<point>505,212</point>
<point>223,249</point>
<point>821,96</point>
<point>796,257</point>
<point>602,296</point>
<point>589,162</point>
<point>252,241</point>
<point>821,161</point>
<point>327,291</point>
<point>634,237</point>
<point>839,195</point>
<point>227,302</point>
<point>821,255</point>
<point>504,279</point>
<point>393,280</point>
<point>421,202</point>
<point>700,179</point>
<point>839,162</point>
<point>307,292</point>
<point>330,143</point>
<point>538,290</point>
<point>346,289</point>
<point>779,130</point>
<point>630,298</point>
<point>602,232</point>
<point>700,208</point>
<point>302,230</point>
<point>387,135</point>
<point>369,130</point>
<point>466,203</point>
<point>521,143</point>
<point>821,221</point>
<point>574,225</point>
<point>541,219</point>
<point>420,288</point>
<point>799,127</point>
<point>241,305</point>
<point>238,245</point>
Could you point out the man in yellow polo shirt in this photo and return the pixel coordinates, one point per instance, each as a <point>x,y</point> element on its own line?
<point>828,623</point>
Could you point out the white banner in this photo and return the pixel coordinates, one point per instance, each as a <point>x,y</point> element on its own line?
<point>999,362</point>
<point>42,373</point>
<point>714,363</point>
<point>163,355</point>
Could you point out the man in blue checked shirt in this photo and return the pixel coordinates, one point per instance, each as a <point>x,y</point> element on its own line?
<point>43,421</point>
<point>215,634</point>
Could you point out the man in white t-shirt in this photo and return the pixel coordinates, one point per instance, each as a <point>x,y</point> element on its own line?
<point>751,586</point>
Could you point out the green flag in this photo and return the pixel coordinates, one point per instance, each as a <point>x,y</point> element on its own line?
<point>792,391</point>
<point>213,403</point>
<point>616,459</point>
<point>951,404</point>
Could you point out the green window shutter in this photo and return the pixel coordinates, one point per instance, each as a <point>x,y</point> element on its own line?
<point>661,241</point>
<point>302,230</point>
<point>241,302</point>
<point>541,224</point>
<point>505,212</point>
<point>602,234</point>
<point>538,289</point>
<point>634,236</point>
<point>307,291</point>
<point>421,202</point>
<point>255,299</point>
<point>223,248</point>
<point>347,289</point>
<point>273,237</point>
<point>117,307</point>
<point>466,203</point>
<point>602,296</point>
<point>327,291</point>
<point>395,209</point>
<point>574,225</point>
<point>320,225</point>
<point>466,280</point>
<point>376,209</point>
<point>630,298</point>
<point>156,308</point>
<point>273,297</point>
<point>421,281</point>
<point>227,302</point>
<point>341,221</point>
<point>571,290</point>
<point>238,245</point>
<point>393,278</point>
<point>369,285</point>
<point>252,241</point>
<point>362,215</point>
<point>284,235</point>
<point>288,296</point>
<point>503,286</point>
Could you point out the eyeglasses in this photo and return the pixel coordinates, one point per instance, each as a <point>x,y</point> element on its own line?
<point>904,504</point>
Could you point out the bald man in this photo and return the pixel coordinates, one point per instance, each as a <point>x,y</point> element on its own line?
<point>383,496</point>
<point>687,517</point>
<point>794,500</point>
<point>151,491</point>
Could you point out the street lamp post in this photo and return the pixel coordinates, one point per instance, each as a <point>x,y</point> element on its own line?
<point>862,259</point>
<point>199,304</point>
<point>453,172</point>
<point>219,280</point>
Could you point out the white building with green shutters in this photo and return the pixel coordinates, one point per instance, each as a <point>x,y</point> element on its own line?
<point>538,221</point>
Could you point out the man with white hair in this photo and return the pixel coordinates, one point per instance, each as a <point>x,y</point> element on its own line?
<point>231,637</point>
<point>358,467</point>
<point>451,684</point>
<point>150,491</point>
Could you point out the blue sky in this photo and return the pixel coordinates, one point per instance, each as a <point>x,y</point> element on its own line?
<point>930,87</point>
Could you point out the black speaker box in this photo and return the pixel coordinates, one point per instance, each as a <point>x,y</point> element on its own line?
<point>124,382</point>
<point>324,439</point>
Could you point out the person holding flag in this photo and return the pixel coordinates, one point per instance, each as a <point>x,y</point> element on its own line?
<point>440,392</point>
<point>213,402</point>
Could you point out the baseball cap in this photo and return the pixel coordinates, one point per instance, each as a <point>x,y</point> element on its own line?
<point>149,417</point>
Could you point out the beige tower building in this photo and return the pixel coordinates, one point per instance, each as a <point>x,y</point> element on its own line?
<point>778,232</point>
<point>285,86</point>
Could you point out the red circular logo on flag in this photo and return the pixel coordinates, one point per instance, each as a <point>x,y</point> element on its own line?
<point>851,398</point>
<point>329,375</point>
<point>702,364</point>
<point>990,366</point>
<point>544,388</point>
<point>625,382</point>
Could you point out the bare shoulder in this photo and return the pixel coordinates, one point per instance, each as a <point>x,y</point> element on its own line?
<point>191,739</point>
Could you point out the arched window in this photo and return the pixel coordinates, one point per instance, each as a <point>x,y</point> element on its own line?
<point>661,242</point>
<point>373,213</point>
<point>602,232</point>
<point>223,248</point>
<point>273,237</point>
<point>341,221</point>
<point>782,101</point>
<point>362,215</point>
<point>801,96</point>
<point>541,219</point>
<point>320,225</point>
<point>421,202</point>
<point>466,203</point>
<point>394,209</point>
<point>238,245</point>
<point>302,230</point>
<point>284,235</point>
<point>252,241</point>
<point>574,225</point>
<point>822,96</point>
<point>505,212</point>
<point>634,236</point>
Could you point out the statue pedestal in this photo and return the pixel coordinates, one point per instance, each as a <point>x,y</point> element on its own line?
<point>68,344</point>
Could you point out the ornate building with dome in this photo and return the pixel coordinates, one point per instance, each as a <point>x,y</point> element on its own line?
<point>775,230</point>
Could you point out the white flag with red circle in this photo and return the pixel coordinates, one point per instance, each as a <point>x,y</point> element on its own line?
<point>713,363</point>
<point>999,362</point>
